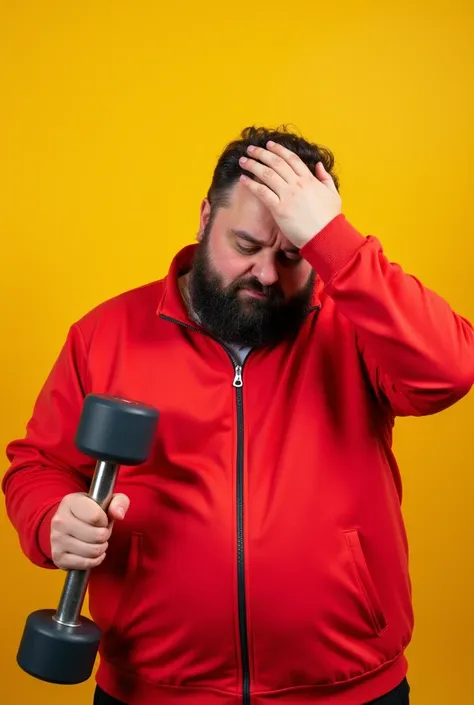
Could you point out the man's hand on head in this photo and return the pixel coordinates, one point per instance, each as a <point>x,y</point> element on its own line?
<point>302,203</point>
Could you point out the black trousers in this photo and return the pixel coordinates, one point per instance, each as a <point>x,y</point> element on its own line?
<point>398,696</point>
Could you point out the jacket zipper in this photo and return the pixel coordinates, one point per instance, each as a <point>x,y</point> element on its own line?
<point>237,383</point>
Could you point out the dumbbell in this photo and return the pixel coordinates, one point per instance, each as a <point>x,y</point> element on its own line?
<point>60,646</point>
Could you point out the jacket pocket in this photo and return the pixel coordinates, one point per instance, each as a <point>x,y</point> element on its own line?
<point>365,582</point>
<point>130,583</point>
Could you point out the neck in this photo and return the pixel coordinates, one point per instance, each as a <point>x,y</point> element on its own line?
<point>183,284</point>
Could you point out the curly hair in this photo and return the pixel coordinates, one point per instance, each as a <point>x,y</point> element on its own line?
<point>228,169</point>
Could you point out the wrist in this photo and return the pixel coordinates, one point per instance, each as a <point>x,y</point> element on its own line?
<point>332,247</point>
<point>316,228</point>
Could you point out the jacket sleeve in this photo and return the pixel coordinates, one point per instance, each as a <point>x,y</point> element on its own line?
<point>418,353</point>
<point>45,465</point>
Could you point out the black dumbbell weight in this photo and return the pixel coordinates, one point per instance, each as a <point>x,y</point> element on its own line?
<point>60,646</point>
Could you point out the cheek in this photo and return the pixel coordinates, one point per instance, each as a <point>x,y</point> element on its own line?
<point>293,280</point>
<point>229,265</point>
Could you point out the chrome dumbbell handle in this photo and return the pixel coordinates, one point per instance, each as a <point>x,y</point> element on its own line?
<point>75,585</point>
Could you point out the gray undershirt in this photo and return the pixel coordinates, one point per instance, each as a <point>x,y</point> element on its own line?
<point>240,352</point>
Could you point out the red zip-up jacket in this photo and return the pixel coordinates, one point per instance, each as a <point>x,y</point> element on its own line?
<point>263,558</point>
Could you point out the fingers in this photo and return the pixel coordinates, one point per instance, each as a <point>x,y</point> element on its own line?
<point>63,525</point>
<point>266,174</point>
<point>325,178</point>
<point>265,194</point>
<point>83,550</point>
<point>274,161</point>
<point>85,509</point>
<point>76,545</point>
<point>296,164</point>
<point>80,530</point>
<point>118,507</point>
<point>276,167</point>
<point>71,561</point>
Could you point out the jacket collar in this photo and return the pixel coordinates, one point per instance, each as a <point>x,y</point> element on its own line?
<point>171,303</point>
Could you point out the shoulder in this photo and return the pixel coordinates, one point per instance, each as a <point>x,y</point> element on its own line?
<point>133,307</point>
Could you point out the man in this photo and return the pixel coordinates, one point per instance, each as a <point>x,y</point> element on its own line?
<point>260,555</point>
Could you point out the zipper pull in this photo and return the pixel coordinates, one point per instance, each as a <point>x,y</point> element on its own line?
<point>238,377</point>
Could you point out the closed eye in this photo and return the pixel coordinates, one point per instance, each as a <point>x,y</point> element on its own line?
<point>290,257</point>
<point>246,249</point>
<point>245,244</point>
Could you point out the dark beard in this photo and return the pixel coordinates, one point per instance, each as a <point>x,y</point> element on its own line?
<point>254,322</point>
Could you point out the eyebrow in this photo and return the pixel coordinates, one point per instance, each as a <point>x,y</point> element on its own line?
<point>244,235</point>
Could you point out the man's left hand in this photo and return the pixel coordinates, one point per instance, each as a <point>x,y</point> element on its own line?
<point>301,203</point>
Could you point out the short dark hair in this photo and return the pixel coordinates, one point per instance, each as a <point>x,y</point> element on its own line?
<point>228,169</point>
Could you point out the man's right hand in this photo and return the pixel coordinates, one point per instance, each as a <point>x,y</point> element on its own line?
<point>80,530</point>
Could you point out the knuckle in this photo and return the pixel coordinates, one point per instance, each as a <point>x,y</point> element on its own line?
<point>56,545</point>
<point>57,521</point>
<point>273,159</point>
<point>97,516</point>
<point>103,535</point>
<point>58,558</point>
<point>73,500</point>
<point>80,563</point>
<point>99,550</point>
<point>95,561</point>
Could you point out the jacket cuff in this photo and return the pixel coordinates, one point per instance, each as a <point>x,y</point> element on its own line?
<point>44,532</point>
<point>332,248</point>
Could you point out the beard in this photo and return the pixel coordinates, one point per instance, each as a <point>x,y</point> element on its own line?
<point>252,322</point>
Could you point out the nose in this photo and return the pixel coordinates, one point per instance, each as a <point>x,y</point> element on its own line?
<point>265,271</point>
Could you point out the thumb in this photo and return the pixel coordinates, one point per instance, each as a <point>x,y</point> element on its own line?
<point>118,506</point>
<point>325,178</point>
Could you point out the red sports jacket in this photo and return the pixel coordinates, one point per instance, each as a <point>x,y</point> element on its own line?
<point>263,558</point>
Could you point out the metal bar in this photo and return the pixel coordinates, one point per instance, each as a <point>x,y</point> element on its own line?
<point>75,585</point>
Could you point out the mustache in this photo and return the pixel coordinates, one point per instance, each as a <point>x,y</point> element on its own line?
<point>272,291</point>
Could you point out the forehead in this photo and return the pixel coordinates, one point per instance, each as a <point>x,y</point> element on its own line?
<point>246,212</point>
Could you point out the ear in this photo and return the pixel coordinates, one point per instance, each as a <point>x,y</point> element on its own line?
<point>204,216</point>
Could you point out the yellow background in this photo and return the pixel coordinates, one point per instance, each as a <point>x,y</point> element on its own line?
<point>113,116</point>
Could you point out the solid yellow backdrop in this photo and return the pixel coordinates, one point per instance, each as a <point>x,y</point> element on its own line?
<point>113,116</point>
